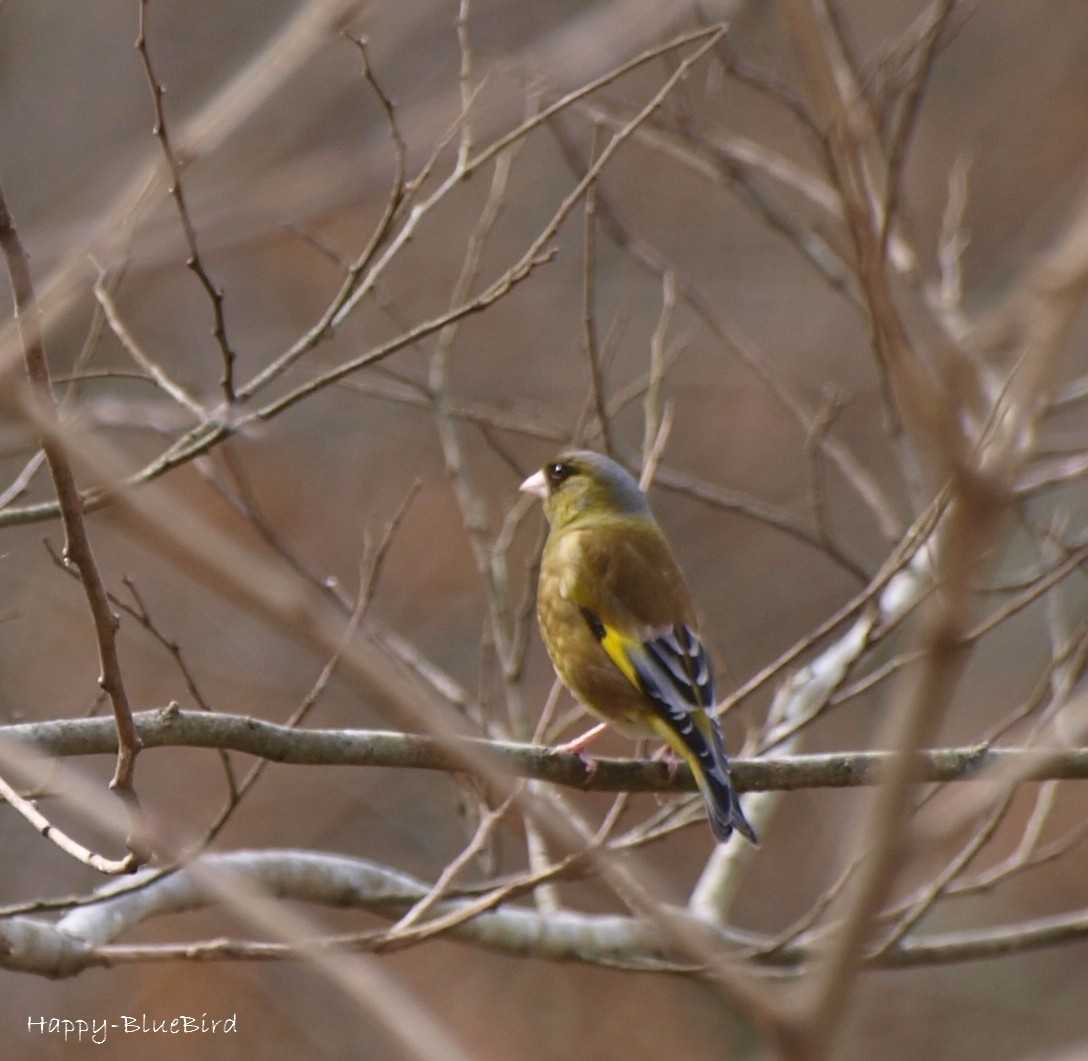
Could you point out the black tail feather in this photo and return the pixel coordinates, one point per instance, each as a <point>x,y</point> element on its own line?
<point>722,802</point>
<point>695,728</point>
<point>724,812</point>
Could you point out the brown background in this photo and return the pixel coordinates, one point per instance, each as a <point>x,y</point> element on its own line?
<point>1009,95</point>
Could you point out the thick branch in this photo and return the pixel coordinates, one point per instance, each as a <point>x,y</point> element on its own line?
<point>171,728</point>
<point>83,939</point>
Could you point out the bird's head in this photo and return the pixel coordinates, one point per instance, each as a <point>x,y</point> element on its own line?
<point>580,482</point>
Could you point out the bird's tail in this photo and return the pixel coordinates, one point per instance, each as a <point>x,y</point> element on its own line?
<point>699,742</point>
<point>723,807</point>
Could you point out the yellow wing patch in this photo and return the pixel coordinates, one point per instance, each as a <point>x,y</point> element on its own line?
<point>613,644</point>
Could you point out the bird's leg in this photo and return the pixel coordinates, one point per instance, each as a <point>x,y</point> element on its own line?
<point>581,742</point>
<point>671,760</point>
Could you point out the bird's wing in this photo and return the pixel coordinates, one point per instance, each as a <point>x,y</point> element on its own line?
<point>682,661</point>
<point>671,670</point>
<point>670,666</point>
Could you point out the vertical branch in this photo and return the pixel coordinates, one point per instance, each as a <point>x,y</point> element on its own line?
<point>491,562</point>
<point>720,880</point>
<point>952,243</point>
<point>650,260</point>
<point>464,147</point>
<point>77,546</point>
<point>194,262</point>
<point>370,568</point>
<point>971,522</point>
<point>470,504</point>
<point>860,171</point>
<point>924,57</point>
<point>981,476</point>
<point>589,324</point>
<point>658,363</point>
<point>652,457</point>
<point>490,559</point>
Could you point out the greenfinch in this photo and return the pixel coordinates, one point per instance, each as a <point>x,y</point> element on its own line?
<point>618,622</point>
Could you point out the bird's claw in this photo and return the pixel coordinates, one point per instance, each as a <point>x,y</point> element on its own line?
<point>590,765</point>
<point>672,761</point>
<point>577,746</point>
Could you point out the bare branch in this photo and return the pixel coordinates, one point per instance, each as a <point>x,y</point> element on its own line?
<point>177,191</point>
<point>589,323</point>
<point>110,867</point>
<point>348,747</point>
<point>152,368</point>
<point>652,404</point>
<point>77,545</point>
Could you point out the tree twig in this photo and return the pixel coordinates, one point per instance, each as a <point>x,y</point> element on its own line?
<point>194,262</point>
<point>77,545</point>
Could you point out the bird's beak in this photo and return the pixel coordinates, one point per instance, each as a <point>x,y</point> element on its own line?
<point>535,484</point>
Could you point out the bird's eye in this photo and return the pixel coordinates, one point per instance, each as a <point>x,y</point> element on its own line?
<point>557,472</point>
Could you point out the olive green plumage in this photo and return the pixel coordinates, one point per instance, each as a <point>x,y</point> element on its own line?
<point>618,622</point>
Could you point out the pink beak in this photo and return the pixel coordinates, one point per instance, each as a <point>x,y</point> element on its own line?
<point>535,484</point>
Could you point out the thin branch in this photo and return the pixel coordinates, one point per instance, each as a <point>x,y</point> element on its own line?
<point>732,162</point>
<point>246,897</point>
<point>293,46</point>
<point>951,246</point>
<point>523,422</point>
<point>715,32</point>
<point>77,545</point>
<point>744,504</point>
<point>925,55</point>
<point>895,574</point>
<point>938,884</point>
<point>652,456</point>
<point>813,451</point>
<point>470,504</point>
<point>392,644</point>
<point>142,616</point>
<point>1024,858</point>
<point>589,322</point>
<point>468,94</point>
<point>860,170</point>
<point>649,259</point>
<point>194,262</point>
<point>139,612</point>
<point>369,571</point>
<point>354,285</point>
<point>342,307</point>
<point>21,482</point>
<point>152,368</point>
<point>110,867</point>
<point>768,84</point>
<point>914,720</point>
<point>91,340</point>
<point>488,822</point>
<point>652,404</point>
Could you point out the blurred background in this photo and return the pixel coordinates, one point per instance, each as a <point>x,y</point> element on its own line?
<point>289,195</point>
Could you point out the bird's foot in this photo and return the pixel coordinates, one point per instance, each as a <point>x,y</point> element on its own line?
<point>671,760</point>
<point>577,746</point>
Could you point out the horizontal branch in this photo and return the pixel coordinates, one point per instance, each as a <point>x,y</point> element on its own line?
<point>86,937</point>
<point>171,728</point>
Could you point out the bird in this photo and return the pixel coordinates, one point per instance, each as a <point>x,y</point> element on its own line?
<point>618,622</point>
